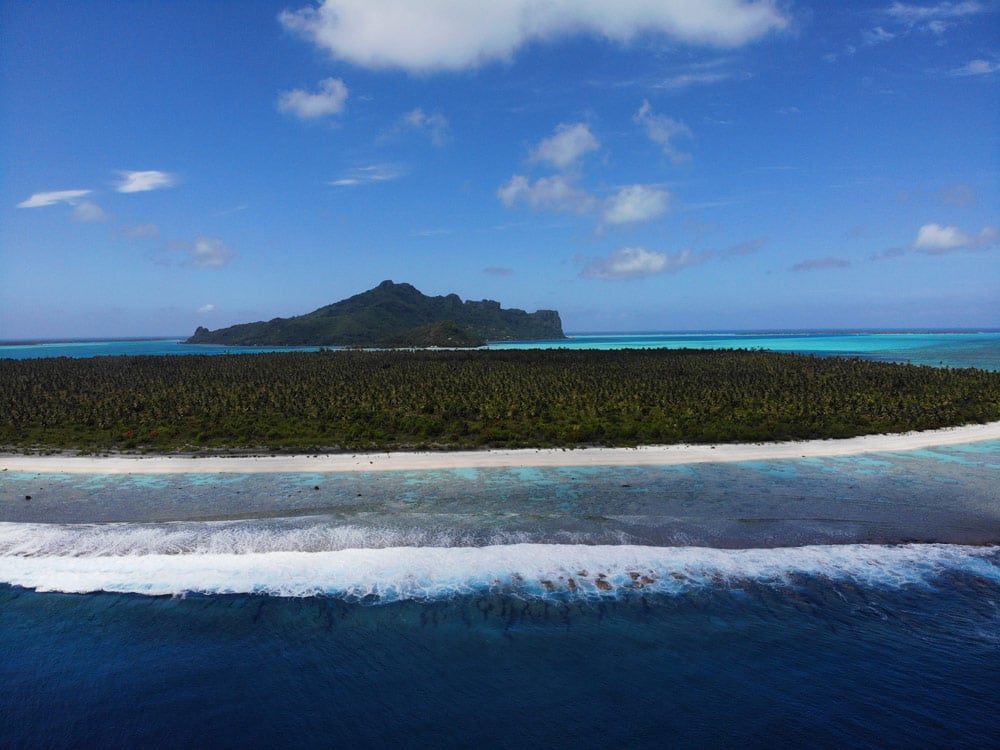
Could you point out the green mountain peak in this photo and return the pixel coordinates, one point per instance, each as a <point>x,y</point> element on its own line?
<point>393,315</point>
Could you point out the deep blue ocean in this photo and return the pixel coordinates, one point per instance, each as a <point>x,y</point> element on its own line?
<point>816,602</point>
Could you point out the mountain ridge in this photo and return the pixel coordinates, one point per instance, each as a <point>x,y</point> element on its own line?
<point>393,315</point>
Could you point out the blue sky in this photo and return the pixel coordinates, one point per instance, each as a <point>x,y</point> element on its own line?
<point>636,165</point>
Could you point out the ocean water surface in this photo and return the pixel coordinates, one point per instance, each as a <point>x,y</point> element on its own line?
<point>936,348</point>
<point>812,602</point>
<point>851,601</point>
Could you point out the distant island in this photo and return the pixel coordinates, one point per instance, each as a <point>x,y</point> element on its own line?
<point>393,316</point>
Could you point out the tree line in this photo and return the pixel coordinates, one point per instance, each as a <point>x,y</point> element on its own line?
<point>390,400</point>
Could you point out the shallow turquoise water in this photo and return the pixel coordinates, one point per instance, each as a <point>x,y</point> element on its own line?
<point>968,349</point>
<point>940,495</point>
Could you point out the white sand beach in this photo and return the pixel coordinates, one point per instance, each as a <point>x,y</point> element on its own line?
<point>654,455</point>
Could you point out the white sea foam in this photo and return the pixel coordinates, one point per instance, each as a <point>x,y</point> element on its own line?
<point>242,537</point>
<point>140,559</point>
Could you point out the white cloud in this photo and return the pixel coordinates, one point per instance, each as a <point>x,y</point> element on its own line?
<point>556,193</point>
<point>637,262</point>
<point>977,68</point>
<point>626,263</point>
<point>140,182</point>
<point>915,14</point>
<point>458,34</point>
<point>935,239</point>
<point>329,100</point>
<point>206,309</point>
<point>878,35</point>
<point>207,252</point>
<point>569,143</point>
<point>699,73</point>
<point>904,19</point>
<point>369,174</point>
<point>560,192</point>
<point>663,130</point>
<point>89,212</point>
<point>684,80</point>
<point>636,203</point>
<point>39,200</point>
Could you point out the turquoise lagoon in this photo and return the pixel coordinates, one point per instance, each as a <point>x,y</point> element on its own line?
<point>937,348</point>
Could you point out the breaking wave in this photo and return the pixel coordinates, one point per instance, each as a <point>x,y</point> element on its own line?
<point>384,565</point>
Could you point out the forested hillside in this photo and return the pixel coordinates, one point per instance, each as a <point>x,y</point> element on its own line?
<point>393,315</point>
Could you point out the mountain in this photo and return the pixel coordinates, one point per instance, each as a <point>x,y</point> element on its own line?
<point>393,315</point>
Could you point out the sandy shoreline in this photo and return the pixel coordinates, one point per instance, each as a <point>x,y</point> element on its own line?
<point>662,455</point>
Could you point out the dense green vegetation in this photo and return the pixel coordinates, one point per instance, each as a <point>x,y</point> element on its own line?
<point>443,333</point>
<point>393,315</point>
<point>358,400</point>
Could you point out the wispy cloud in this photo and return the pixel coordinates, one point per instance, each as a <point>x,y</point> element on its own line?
<point>143,181</point>
<point>958,195</point>
<point>680,81</point>
<point>900,20</point>
<point>935,239</point>
<point>821,264</point>
<point>309,105</point>
<point>911,15</point>
<point>742,249</point>
<point>664,131</point>
<point>369,174</point>
<point>89,212</point>
<point>977,68</point>
<point>206,309</point>
<point>889,253</point>
<point>458,35</point>
<point>906,18</point>
<point>141,231</point>
<point>877,35</point>
<point>54,197</point>
<point>701,73</point>
<point>434,126</point>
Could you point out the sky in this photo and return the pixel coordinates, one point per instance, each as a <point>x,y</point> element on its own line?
<point>637,165</point>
